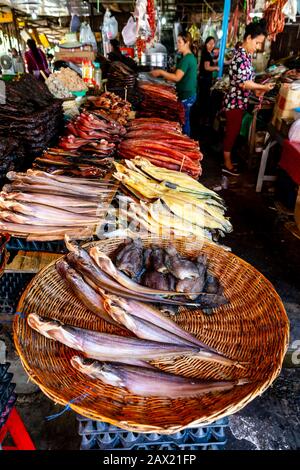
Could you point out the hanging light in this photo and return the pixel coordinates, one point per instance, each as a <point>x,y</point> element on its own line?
<point>163,21</point>
<point>34,15</point>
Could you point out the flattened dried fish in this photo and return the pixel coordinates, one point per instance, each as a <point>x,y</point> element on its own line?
<point>88,296</point>
<point>106,347</point>
<point>150,383</point>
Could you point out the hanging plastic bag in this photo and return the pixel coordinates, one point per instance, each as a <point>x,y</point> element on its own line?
<point>75,24</point>
<point>208,30</point>
<point>290,9</point>
<point>87,36</point>
<point>110,26</point>
<point>129,32</point>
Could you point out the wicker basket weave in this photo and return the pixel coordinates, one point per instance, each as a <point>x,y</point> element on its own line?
<point>252,328</point>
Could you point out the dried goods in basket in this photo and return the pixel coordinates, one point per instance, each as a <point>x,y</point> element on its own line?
<point>252,328</point>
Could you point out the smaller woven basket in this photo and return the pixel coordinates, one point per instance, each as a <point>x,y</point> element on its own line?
<point>252,328</point>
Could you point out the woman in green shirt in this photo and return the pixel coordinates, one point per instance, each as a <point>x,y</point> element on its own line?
<point>185,77</point>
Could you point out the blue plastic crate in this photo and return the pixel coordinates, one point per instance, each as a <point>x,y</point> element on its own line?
<point>12,286</point>
<point>16,244</point>
<point>7,395</point>
<point>97,435</point>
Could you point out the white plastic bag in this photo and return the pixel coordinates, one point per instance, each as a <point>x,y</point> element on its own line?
<point>290,9</point>
<point>110,26</point>
<point>294,132</point>
<point>129,32</point>
<point>86,35</point>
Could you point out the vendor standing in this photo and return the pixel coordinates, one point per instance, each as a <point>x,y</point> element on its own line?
<point>185,77</point>
<point>116,55</point>
<point>241,84</point>
<point>206,69</point>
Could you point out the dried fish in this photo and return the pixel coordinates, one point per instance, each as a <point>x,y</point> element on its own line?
<point>181,268</point>
<point>88,296</point>
<point>78,220</point>
<point>47,200</point>
<point>130,258</point>
<point>106,347</point>
<point>150,383</point>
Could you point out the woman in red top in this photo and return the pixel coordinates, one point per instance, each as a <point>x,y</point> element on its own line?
<point>36,60</point>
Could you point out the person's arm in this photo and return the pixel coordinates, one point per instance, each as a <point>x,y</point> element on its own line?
<point>210,68</point>
<point>244,74</point>
<point>172,77</point>
<point>253,86</point>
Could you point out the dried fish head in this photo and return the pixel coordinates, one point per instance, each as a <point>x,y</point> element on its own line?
<point>97,370</point>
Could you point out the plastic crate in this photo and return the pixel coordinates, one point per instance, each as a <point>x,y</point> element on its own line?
<point>97,435</point>
<point>57,246</point>
<point>12,286</point>
<point>7,395</point>
<point>6,411</point>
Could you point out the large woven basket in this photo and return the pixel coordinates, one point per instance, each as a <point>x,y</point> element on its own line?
<point>252,328</point>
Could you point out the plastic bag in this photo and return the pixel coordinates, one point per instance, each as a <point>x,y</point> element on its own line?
<point>86,35</point>
<point>208,29</point>
<point>129,32</point>
<point>294,132</point>
<point>75,24</point>
<point>290,9</point>
<point>110,26</point>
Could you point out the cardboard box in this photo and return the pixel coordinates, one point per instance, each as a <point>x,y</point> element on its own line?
<point>288,99</point>
<point>75,56</point>
<point>279,115</point>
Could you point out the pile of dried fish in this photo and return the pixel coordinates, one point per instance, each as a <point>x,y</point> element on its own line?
<point>99,270</point>
<point>129,368</point>
<point>163,144</point>
<point>169,202</point>
<point>120,75</point>
<point>41,206</point>
<point>110,106</point>
<point>112,295</point>
<point>86,151</point>
<point>88,126</point>
<point>166,270</point>
<point>160,101</point>
<point>30,118</point>
<point>73,163</point>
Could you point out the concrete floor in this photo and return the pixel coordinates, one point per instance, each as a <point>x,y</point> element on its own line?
<point>260,237</point>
